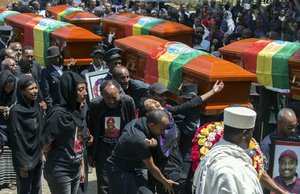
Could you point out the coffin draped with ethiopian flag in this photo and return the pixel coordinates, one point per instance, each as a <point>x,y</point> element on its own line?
<point>74,16</point>
<point>125,24</point>
<point>275,63</point>
<point>41,33</point>
<point>153,59</point>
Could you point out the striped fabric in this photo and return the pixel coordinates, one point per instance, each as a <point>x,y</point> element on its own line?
<point>165,64</point>
<point>141,25</point>
<point>62,15</point>
<point>7,172</point>
<point>269,60</point>
<point>41,34</point>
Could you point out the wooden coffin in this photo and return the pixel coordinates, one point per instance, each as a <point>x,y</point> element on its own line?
<point>125,24</point>
<point>205,70</point>
<point>74,16</point>
<point>294,68</point>
<point>236,52</point>
<point>75,42</point>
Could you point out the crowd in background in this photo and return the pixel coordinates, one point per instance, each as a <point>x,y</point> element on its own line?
<point>215,24</point>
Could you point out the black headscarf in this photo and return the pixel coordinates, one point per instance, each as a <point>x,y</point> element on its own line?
<point>68,106</point>
<point>68,93</point>
<point>11,98</point>
<point>25,121</point>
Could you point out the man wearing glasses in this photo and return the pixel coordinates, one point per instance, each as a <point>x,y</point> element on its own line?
<point>287,127</point>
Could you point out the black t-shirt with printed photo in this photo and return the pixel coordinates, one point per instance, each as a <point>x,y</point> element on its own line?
<point>132,148</point>
<point>67,146</point>
<point>112,125</point>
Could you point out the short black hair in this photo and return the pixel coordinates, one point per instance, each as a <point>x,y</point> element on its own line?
<point>26,48</point>
<point>109,82</point>
<point>230,132</point>
<point>156,116</point>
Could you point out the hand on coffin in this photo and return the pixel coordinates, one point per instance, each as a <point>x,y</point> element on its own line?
<point>111,36</point>
<point>71,63</point>
<point>218,87</point>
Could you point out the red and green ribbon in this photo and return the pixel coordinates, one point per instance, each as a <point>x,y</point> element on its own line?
<point>269,60</point>
<point>6,14</point>
<point>63,14</point>
<point>165,64</point>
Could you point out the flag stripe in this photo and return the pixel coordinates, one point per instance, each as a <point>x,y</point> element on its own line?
<point>166,62</point>
<point>264,62</point>
<point>250,54</point>
<point>41,33</point>
<point>280,67</point>
<point>62,15</point>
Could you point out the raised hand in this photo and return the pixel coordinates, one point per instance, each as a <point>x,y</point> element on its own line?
<point>218,87</point>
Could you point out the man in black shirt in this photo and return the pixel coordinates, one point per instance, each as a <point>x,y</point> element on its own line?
<point>132,153</point>
<point>107,117</point>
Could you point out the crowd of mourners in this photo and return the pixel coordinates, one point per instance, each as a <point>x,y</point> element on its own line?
<point>136,141</point>
<point>215,24</point>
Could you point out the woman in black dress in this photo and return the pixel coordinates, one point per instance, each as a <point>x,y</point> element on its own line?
<point>25,121</point>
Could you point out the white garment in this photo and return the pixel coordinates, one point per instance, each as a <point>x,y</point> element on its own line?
<point>58,69</point>
<point>102,67</point>
<point>230,22</point>
<point>226,169</point>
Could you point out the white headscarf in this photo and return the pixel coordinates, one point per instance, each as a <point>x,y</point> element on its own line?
<point>230,22</point>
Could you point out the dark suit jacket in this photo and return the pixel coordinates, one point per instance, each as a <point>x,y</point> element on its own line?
<point>87,70</point>
<point>49,85</point>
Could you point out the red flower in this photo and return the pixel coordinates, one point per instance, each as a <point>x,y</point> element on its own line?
<point>195,165</point>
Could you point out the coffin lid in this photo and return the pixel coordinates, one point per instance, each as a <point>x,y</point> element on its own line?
<point>19,20</point>
<point>76,17</point>
<point>76,34</point>
<point>204,67</point>
<point>164,29</point>
<point>237,48</point>
<point>69,33</point>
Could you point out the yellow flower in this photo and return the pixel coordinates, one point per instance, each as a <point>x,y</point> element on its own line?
<point>205,131</point>
<point>251,145</point>
<point>218,123</point>
<point>201,141</point>
<point>210,126</point>
<point>204,150</point>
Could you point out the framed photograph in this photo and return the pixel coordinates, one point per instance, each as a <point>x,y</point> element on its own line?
<point>284,168</point>
<point>94,80</point>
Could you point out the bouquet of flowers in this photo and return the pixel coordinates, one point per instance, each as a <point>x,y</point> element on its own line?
<point>209,134</point>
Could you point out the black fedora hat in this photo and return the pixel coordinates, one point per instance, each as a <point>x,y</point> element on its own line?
<point>98,49</point>
<point>112,54</point>
<point>53,51</point>
<point>97,30</point>
<point>5,31</point>
<point>188,90</point>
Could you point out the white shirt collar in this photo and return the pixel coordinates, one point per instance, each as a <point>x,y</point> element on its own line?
<point>59,69</point>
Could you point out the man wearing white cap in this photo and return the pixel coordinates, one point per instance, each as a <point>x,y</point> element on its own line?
<point>227,168</point>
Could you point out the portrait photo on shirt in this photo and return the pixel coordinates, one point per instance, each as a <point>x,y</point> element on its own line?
<point>112,127</point>
<point>78,140</point>
<point>284,165</point>
<point>94,80</point>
